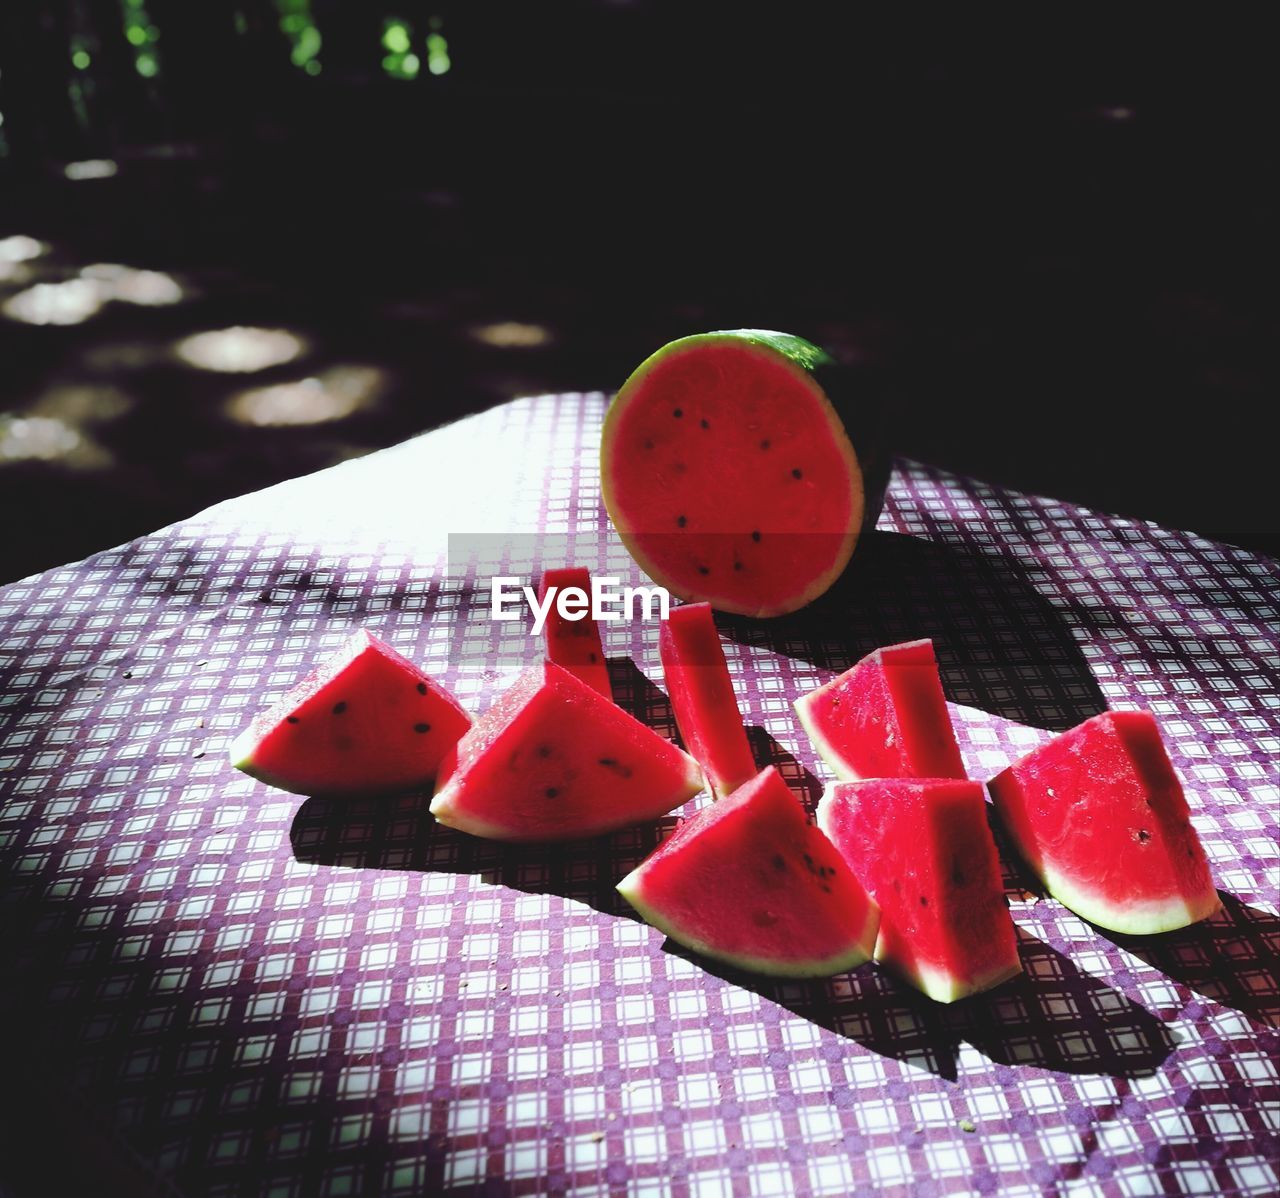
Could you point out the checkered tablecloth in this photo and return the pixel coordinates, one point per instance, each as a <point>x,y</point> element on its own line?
<point>244,992</point>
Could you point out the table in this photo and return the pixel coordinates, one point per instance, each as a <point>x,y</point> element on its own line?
<point>231,990</point>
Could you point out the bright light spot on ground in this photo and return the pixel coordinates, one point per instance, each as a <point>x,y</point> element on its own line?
<point>409,65</point>
<point>333,395</point>
<point>35,438</point>
<point>437,54</point>
<point>149,287</point>
<point>81,60</point>
<point>240,350</point>
<point>147,66</point>
<point>90,168</point>
<point>82,403</point>
<point>14,272</point>
<point>512,334</point>
<point>21,249</point>
<point>396,37</point>
<point>55,303</point>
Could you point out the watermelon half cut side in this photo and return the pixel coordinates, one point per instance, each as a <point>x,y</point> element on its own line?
<point>730,475</point>
<point>574,644</point>
<point>1099,815</point>
<point>701,691</point>
<point>885,717</point>
<point>750,882</point>
<point>553,759</point>
<point>924,852</point>
<point>366,721</point>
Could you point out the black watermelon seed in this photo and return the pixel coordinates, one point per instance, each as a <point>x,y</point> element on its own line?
<point>544,750</point>
<point>924,902</point>
<point>795,473</point>
<point>1143,835</point>
<point>293,719</point>
<point>648,444</point>
<point>422,688</point>
<point>755,536</point>
<point>551,792</point>
<point>339,708</point>
<point>825,888</point>
<point>703,570</point>
<point>681,521</point>
<point>764,444</point>
<point>957,873</point>
<point>592,658</point>
<point>704,424</point>
<point>778,862</point>
<point>737,565</point>
<point>422,727</point>
<point>677,413</point>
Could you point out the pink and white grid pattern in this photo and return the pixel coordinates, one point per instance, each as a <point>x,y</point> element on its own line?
<point>245,992</point>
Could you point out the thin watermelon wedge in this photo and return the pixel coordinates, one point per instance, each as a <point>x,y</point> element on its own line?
<point>1099,815</point>
<point>730,470</point>
<point>924,852</point>
<point>750,882</point>
<point>553,759</point>
<point>701,691</point>
<point>574,644</point>
<point>366,721</point>
<point>885,717</point>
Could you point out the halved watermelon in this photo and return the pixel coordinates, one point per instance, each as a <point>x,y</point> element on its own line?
<point>701,691</point>
<point>366,721</point>
<point>749,881</point>
<point>730,474</point>
<point>1100,817</point>
<point>553,759</point>
<point>923,850</point>
<point>574,644</point>
<point>886,717</point>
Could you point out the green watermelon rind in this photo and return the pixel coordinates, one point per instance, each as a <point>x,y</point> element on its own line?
<point>1127,919</point>
<point>806,360</point>
<point>860,951</point>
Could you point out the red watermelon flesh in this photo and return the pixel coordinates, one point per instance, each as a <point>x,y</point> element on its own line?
<point>886,717</point>
<point>729,475</point>
<point>1100,817</point>
<point>367,721</point>
<point>923,850</point>
<point>749,881</point>
<point>574,644</point>
<point>701,691</point>
<point>553,759</point>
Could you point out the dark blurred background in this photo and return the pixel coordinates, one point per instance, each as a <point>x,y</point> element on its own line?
<point>244,239</point>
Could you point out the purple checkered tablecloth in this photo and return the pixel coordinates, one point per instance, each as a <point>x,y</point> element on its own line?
<point>240,991</point>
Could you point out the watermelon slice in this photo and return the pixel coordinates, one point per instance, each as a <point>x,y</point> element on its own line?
<point>367,721</point>
<point>923,850</point>
<point>701,691</point>
<point>886,717</point>
<point>574,644</point>
<point>731,477</point>
<point>749,881</point>
<point>1100,817</point>
<point>553,759</point>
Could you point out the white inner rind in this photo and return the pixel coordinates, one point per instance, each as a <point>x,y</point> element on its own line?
<point>850,957</point>
<point>826,750</point>
<point>1131,919</point>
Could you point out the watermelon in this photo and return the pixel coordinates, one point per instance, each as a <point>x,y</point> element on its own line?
<point>923,850</point>
<point>701,691</point>
<point>750,882</point>
<point>1099,816</point>
<point>553,759</point>
<point>730,475</point>
<point>574,644</point>
<point>886,717</point>
<point>366,721</point>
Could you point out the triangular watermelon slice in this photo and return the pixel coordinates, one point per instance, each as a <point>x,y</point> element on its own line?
<point>574,644</point>
<point>1100,817</point>
<point>749,881</point>
<point>701,692</point>
<point>366,721</point>
<point>553,759</point>
<point>923,850</point>
<point>885,717</point>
